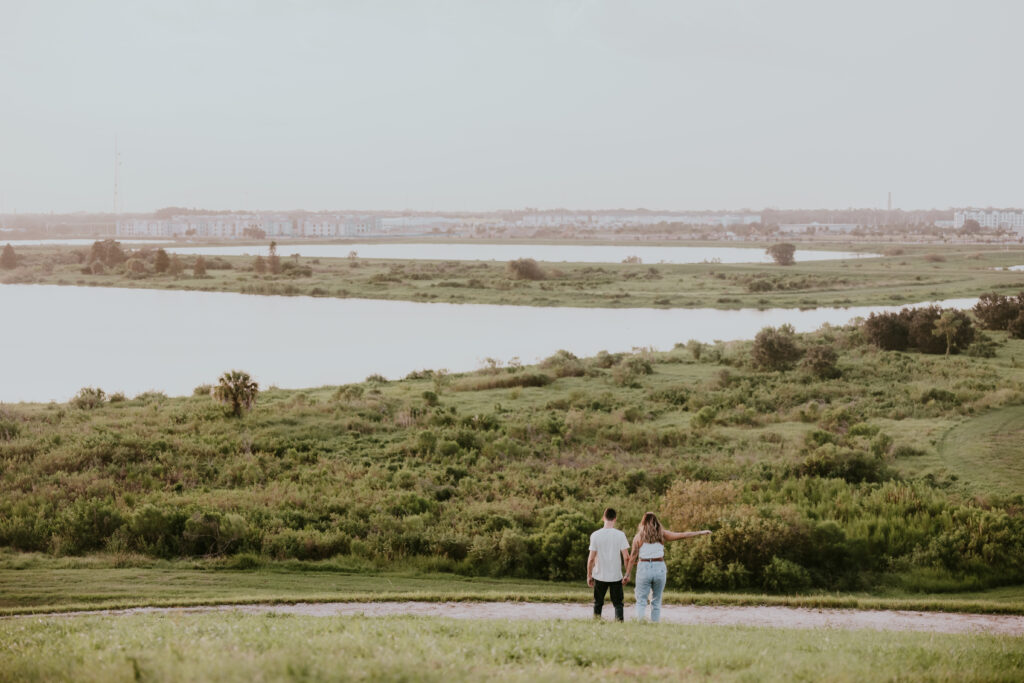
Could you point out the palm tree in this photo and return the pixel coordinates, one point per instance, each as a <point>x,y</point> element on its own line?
<point>236,389</point>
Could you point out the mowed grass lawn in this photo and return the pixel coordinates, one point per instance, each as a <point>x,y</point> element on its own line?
<point>988,451</point>
<point>236,647</point>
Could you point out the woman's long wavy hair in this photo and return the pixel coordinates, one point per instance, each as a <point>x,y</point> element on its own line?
<point>649,530</point>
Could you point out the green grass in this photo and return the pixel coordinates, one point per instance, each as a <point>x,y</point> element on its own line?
<point>32,583</point>
<point>236,647</point>
<point>909,277</point>
<point>987,451</point>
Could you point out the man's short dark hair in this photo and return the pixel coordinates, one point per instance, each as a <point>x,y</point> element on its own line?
<point>609,514</point>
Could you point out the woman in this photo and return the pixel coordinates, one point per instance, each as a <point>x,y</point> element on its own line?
<point>648,553</point>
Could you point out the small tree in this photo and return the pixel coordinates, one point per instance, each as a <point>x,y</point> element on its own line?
<point>236,390</point>
<point>176,267</point>
<point>162,261</point>
<point>259,264</point>
<point>199,269</point>
<point>108,252</point>
<point>274,261</point>
<point>8,259</point>
<point>775,349</point>
<point>946,327</point>
<point>525,269</point>
<point>782,253</point>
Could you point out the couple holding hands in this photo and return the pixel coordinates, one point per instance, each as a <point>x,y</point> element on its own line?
<point>609,549</point>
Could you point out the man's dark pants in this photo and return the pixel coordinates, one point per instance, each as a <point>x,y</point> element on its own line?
<point>600,587</point>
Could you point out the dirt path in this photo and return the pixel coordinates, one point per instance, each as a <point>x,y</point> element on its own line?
<point>778,617</point>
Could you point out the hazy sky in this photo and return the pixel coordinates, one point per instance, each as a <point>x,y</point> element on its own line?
<point>483,104</point>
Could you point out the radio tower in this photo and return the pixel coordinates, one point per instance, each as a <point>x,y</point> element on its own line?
<point>117,173</point>
<point>117,182</point>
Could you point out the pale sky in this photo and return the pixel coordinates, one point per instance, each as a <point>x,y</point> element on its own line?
<point>479,105</point>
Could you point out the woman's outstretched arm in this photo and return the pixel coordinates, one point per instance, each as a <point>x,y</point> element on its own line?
<point>679,535</point>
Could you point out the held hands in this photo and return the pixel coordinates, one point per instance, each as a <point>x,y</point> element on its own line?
<point>625,579</point>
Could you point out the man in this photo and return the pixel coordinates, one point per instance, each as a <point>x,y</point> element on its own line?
<point>609,548</point>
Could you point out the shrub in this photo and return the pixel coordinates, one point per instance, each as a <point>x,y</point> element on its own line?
<point>783,576</point>
<point>525,269</point>
<point>837,462</point>
<point>199,267</point>
<point>887,331</point>
<point>916,328</point>
<point>564,364</point>
<point>996,312</point>
<point>630,369</point>
<point>821,361</point>
<point>89,398</point>
<point>202,390</point>
<point>107,252</point>
<point>1016,326</point>
<point>563,543</point>
<point>523,379</point>
<point>8,259</point>
<point>775,349</point>
<point>161,262</point>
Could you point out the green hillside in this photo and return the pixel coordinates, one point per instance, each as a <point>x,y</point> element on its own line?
<point>807,482</point>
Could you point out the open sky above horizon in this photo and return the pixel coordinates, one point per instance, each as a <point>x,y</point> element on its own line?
<point>468,105</point>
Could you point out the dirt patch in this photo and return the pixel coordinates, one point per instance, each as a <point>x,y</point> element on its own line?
<point>771,617</point>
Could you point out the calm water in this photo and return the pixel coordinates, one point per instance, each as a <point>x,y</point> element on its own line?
<point>59,339</point>
<point>576,253</point>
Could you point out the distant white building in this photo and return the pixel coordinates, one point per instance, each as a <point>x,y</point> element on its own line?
<point>242,226</point>
<point>814,227</point>
<point>1011,220</point>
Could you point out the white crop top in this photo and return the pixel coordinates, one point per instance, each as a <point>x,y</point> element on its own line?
<point>651,550</point>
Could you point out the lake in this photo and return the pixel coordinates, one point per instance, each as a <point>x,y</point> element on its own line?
<point>59,339</point>
<point>574,253</point>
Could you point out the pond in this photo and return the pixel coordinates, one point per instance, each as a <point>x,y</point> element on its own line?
<point>59,339</point>
<point>573,253</point>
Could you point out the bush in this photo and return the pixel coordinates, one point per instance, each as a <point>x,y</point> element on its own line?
<point>564,364</point>
<point>775,349</point>
<point>1016,326</point>
<point>8,259</point>
<point>996,312</point>
<point>915,328</point>
<point>837,462</point>
<point>525,269</point>
<point>783,576</point>
<point>630,369</point>
<point>89,398</point>
<point>107,252</point>
<point>821,361</point>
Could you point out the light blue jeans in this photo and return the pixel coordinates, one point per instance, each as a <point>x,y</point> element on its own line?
<point>650,580</point>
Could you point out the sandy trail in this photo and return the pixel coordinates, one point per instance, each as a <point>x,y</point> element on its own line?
<point>777,617</point>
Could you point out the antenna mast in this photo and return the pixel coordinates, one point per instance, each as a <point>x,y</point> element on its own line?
<point>117,173</point>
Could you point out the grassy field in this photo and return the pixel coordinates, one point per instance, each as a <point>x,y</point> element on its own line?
<point>234,647</point>
<point>810,484</point>
<point>911,275</point>
<point>987,451</point>
<point>35,584</point>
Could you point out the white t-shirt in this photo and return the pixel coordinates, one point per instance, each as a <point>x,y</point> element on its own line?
<point>609,544</point>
